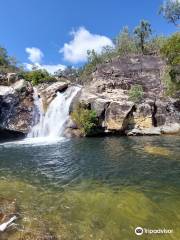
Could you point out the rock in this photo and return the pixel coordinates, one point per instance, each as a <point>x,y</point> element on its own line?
<point>12,78</point>
<point>16,107</point>
<point>48,92</point>
<point>6,134</point>
<point>108,95</point>
<point>141,132</point>
<point>20,85</point>
<point>5,90</point>
<point>171,129</point>
<point>116,116</point>
<point>8,208</point>
<point>70,132</point>
<point>100,106</point>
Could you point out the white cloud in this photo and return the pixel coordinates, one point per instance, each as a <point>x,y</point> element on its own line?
<point>76,50</point>
<point>50,68</point>
<point>35,54</point>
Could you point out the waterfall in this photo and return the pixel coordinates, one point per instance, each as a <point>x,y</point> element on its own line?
<point>52,122</point>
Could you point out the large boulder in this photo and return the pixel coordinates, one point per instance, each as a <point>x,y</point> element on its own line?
<point>117,115</point>
<point>16,107</point>
<point>48,92</point>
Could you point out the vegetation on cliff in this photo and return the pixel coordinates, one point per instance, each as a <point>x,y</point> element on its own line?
<point>7,63</point>
<point>136,93</point>
<point>171,51</point>
<point>37,76</point>
<point>139,41</point>
<point>85,119</point>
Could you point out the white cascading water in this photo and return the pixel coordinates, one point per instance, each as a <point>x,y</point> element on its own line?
<point>52,122</point>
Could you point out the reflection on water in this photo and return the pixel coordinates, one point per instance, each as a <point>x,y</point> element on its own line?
<point>92,188</point>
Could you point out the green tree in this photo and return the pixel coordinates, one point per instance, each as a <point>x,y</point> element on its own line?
<point>7,63</point>
<point>154,45</point>
<point>171,49</point>
<point>125,43</point>
<point>37,76</point>
<point>171,11</point>
<point>142,33</point>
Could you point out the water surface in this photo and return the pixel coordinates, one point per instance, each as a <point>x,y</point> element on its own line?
<point>93,188</point>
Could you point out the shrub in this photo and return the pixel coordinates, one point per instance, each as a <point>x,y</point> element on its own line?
<point>85,119</point>
<point>125,43</point>
<point>136,93</point>
<point>37,76</point>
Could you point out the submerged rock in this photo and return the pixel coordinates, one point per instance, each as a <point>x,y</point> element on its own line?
<point>157,150</point>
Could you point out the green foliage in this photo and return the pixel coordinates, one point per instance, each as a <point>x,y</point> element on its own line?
<point>125,43</point>
<point>136,93</point>
<point>37,76</point>
<point>85,119</point>
<point>7,63</point>
<point>171,80</point>
<point>171,11</point>
<point>171,49</point>
<point>142,33</point>
<point>155,44</point>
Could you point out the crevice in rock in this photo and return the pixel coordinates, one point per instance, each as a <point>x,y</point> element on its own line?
<point>154,111</point>
<point>128,122</point>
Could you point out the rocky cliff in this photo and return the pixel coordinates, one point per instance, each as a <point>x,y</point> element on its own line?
<point>108,95</point>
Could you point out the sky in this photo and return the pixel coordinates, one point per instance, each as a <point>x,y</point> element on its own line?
<point>56,33</point>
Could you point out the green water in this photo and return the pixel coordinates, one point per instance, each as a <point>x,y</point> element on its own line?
<point>96,188</point>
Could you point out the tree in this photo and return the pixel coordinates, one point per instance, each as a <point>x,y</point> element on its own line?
<point>125,42</point>
<point>37,76</point>
<point>3,57</point>
<point>171,49</point>
<point>171,11</point>
<point>7,63</point>
<point>143,32</point>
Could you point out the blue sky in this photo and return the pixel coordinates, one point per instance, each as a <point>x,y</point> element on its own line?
<point>39,30</point>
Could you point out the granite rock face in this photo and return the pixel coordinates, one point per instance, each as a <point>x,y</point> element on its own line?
<point>48,92</point>
<point>108,95</point>
<point>16,107</point>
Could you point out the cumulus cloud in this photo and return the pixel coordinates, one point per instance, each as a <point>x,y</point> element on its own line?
<point>35,57</point>
<point>50,68</point>
<point>76,50</point>
<point>35,54</point>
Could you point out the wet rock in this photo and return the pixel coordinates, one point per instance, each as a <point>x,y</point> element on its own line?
<point>146,131</point>
<point>70,132</point>
<point>171,129</point>
<point>6,134</point>
<point>49,91</point>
